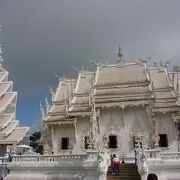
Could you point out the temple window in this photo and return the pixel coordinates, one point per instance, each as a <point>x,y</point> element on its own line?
<point>86,142</point>
<point>163,140</point>
<point>64,143</point>
<point>112,141</point>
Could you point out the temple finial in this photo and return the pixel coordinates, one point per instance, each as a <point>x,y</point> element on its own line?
<point>120,56</point>
<point>1,58</point>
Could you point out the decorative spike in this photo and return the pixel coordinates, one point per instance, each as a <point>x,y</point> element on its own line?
<point>94,62</point>
<point>51,91</point>
<point>140,60</point>
<point>173,78</point>
<point>42,111</point>
<point>150,57</point>
<point>177,86</point>
<point>55,75</point>
<point>47,104</point>
<point>72,88</point>
<point>68,95</point>
<point>155,64</point>
<point>1,58</point>
<point>161,63</point>
<point>75,69</point>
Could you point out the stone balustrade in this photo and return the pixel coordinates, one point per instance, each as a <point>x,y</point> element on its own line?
<point>152,153</point>
<point>170,156</point>
<point>47,158</point>
<point>156,154</point>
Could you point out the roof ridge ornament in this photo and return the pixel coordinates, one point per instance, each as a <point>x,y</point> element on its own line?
<point>43,115</point>
<point>120,56</point>
<point>95,62</point>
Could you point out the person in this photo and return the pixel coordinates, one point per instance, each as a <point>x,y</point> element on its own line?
<point>116,164</point>
<point>112,165</point>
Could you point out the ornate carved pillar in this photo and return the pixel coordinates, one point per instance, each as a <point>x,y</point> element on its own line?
<point>52,136</point>
<point>123,116</point>
<point>93,135</point>
<point>75,129</point>
<point>153,136</point>
<point>176,119</point>
<point>98,119</point>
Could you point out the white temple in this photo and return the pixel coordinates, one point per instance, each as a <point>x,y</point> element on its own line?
<point>10,132</point>
<point>129,109</point>
<point>123,104</point>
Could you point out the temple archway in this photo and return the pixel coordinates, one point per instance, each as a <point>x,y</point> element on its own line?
<point>152,177</point>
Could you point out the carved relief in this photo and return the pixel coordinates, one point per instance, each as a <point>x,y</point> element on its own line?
<point>109,132</point>
<point>136,133</point>
<point>82,141</point>
<point>135,139</point>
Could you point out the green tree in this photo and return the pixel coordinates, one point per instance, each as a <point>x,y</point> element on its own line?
<point>35,142</point>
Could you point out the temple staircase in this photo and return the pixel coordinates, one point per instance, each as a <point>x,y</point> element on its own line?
<point>126,172</point>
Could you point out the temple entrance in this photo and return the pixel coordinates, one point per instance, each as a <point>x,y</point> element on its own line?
<point>64,143</point>
<point>112,141</point>
<point>163,140</point>
<point>152,177</point>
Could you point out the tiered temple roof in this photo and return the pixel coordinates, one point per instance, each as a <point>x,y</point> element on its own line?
<point>80,103</point>
<point>165,98</point>
<point>121,85</point>
<point>114,85</point>
<point>61,101</point>
<point>9,126</point>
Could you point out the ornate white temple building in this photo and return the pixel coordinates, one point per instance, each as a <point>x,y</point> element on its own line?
<point>115,107</point>
<point>129,109</point>
<point>10,132</point>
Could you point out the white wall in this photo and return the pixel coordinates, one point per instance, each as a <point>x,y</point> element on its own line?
<point>82,130</point>
<point>133,121</point>
<point>165,125</point>
<point>66,130</point>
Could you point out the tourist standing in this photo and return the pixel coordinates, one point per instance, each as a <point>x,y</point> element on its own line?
<point>116,164</point>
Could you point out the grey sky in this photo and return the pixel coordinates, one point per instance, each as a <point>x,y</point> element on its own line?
<point>44,36</point>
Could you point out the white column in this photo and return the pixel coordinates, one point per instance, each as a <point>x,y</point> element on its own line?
<point>52,136</point>
<point>123,116</point>
<point>14,148</point>
<point>75,129</point>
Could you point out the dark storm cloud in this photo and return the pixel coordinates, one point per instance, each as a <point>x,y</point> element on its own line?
<point>41,36</point>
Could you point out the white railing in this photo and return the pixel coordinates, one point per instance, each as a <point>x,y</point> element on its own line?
<point>170,155</point>
<point>157,154</point>
<point>144,157</point>
<point>47,158</point>
<point>152,153</point>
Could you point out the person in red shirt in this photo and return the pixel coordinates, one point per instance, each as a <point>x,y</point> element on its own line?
<point>116,164</point>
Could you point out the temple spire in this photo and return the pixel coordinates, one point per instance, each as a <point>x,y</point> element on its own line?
<point>120,56</point>
<point>1,58</point>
